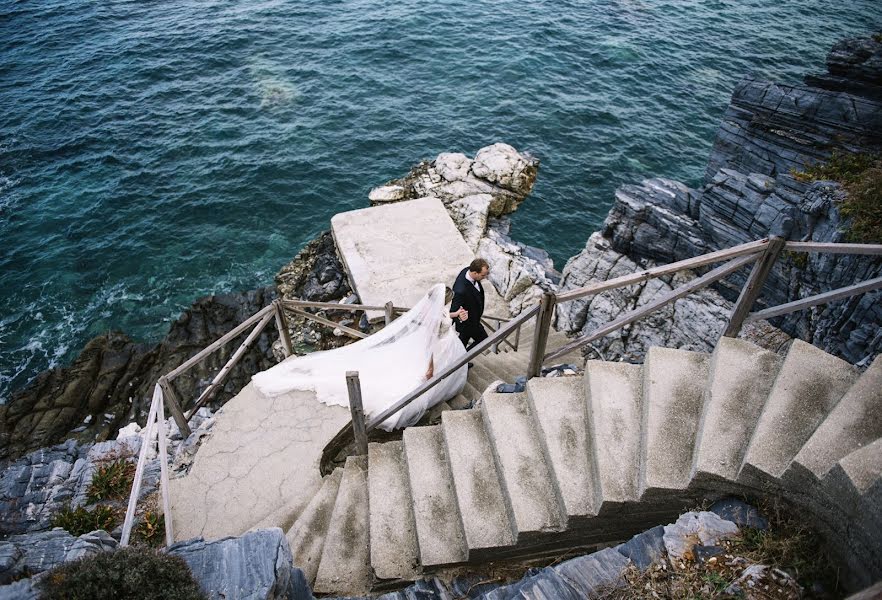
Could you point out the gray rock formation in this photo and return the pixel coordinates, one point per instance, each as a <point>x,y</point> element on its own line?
<point>768,132</point>
<point>111,382</point>
<point>315,273</point>
<point>36,486</point>
<point>31,554</point>
<point>254,566</point>
<point>853,66</point>
<point>499,171</point>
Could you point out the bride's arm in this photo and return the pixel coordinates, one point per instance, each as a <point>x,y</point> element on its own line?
<point>431,372</point>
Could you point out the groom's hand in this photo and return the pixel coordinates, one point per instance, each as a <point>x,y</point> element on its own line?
<point>463,314</point>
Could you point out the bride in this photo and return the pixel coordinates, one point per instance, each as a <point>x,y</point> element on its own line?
<point>392,362</point>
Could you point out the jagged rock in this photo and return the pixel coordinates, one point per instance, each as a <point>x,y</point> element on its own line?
<point>35,487</point>
<point>519,272</point>
<point>503,165</point>
<point>470,216</point>
<point>644,548</point>
<point>256,565</point>
<point>453,166</point>
<point>694,322</point>
<point>387,193</point>
<point>740,513</point>
<point>315,274</point>
<point>694,528</point>
<point>111,382</point>
<point>499,171</point>
<point>24,589</point>
<point>34,553</point>
<point>854,65</point>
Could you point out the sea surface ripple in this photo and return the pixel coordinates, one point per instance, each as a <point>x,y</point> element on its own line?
<point>155,152</point>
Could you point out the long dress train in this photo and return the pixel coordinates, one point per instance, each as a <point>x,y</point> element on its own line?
<point>390,363</point>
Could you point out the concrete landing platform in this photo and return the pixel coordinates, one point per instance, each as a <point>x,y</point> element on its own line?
<point>262,455</point>
<point>398,251</point>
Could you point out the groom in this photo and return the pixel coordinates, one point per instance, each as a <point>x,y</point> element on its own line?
<point>468,301</point>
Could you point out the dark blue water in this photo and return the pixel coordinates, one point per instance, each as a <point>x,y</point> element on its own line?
<point>154,152</point>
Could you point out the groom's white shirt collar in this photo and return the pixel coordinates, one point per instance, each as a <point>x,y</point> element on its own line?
<point>469,277</point>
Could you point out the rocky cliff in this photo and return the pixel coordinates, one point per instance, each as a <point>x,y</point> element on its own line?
<point>770,132</point>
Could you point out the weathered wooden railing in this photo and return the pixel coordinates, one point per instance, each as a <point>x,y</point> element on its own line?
<point>166,395</point>
<point>762,253</point>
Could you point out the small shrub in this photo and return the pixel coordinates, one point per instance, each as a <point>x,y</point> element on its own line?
<point>151,528</point>
<point>860,175</point>
<point>78,521</point>
<point>127,573</point>
<point>112,481</point>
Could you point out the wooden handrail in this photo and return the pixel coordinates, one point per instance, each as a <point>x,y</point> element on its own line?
<point>634,315</point>
<point>335,306</point>
<point>475,351</point>
<point>222,374</point>
<point>809,301</point>
<point>834,248</point>
<point>220,341</point>
<point>329,323</point>
<point>344,436</point>
<point>689,263</point>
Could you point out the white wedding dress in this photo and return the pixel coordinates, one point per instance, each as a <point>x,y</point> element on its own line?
<point>390,363</point>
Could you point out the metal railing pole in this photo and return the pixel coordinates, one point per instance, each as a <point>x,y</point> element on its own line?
<point>540,336</point>
<point>355,408</point>
<point>390,312</point>
<point>751,290</point>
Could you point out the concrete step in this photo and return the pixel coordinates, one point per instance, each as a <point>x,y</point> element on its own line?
<point>486,518</point>
<point>394,551</point>
<point>503,367</point>
<point>854,512</point>
<point>459,402</point>
<point>439,526</point>
<point>480,376</point>
<point>526,478</point>
<point>614,397</point>
<point>345,565</point>
<point>809,385</point>
<point>741,377</point>
<point>471,392</point>
<point>306,537</point>
<point>673,401</point>
<point>559,406</point>
<point>853,423</point>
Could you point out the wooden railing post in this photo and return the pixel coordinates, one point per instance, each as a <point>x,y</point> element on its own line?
<point>540,336</point>
<point>355,408</point>
<point>390,312</point>
<point>282,326</point>
<point>751,291</point>
<point>174,406</point>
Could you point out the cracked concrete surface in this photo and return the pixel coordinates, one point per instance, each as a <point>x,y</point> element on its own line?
<point>263,454</point>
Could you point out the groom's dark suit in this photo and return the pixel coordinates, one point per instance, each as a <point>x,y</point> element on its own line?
<point>466,295</point>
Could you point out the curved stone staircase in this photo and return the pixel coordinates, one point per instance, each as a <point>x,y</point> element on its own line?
<point>577,461</point>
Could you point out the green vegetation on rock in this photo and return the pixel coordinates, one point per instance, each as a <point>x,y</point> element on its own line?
<point>151,528</point>
<point>860,175</point>
<point>77,521</point>
<point>127,573</point>
<point>112,481</point>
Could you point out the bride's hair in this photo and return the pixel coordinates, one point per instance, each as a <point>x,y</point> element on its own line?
<point>448,295</point>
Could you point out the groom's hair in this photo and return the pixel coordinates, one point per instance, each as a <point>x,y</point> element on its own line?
<point>477,265</point>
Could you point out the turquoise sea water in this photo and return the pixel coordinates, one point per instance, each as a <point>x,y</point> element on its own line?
<point>155,152</point>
